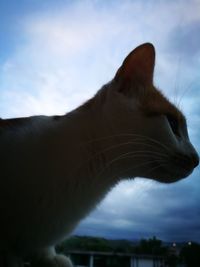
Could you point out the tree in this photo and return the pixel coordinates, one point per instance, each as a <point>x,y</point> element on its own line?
<point>151,246</point>
<point>190,254</point>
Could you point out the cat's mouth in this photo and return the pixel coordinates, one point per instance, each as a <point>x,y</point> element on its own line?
<point>175,172</point>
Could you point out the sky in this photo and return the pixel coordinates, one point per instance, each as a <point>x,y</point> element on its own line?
<point>55,54</point>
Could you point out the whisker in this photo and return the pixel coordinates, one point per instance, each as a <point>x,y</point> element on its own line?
<point>153,140</point>
<point>129,155</point>
<point>187,88</point>
<point>177,80</point>
<point>149,171</point>
<point>130,143</point>
<point>128,135</point>
<point>149,152</point>
<point>146,152</point>
<point>132,154</point>
<point>140,165</point>
<point>153,169</point>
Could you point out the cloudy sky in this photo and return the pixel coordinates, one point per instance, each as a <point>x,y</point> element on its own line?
<point>55,54</point>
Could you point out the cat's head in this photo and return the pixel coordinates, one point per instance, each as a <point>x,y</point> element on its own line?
<point>155,130</point>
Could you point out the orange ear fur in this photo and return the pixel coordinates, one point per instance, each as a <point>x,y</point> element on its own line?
<point>138,67</point>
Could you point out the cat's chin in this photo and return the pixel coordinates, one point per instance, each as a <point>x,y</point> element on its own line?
<point>168,180</point>
<point>172,177</point>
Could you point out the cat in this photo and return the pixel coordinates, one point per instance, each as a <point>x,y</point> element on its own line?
<point>56,169</point>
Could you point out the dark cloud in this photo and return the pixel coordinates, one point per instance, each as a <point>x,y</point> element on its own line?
<point>171,212</point>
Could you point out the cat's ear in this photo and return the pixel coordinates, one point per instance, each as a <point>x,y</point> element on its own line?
<point>137,68</point>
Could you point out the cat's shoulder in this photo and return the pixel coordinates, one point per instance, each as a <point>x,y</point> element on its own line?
<point>13,122</point>
<point>27,122</point>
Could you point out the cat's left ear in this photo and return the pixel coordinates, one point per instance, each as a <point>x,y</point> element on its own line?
<point>137,68</point>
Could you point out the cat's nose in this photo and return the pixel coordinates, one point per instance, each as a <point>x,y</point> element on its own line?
<point>187,162</point>
<point>195,159</point>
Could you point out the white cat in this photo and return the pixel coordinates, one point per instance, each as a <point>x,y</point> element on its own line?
<point>55,170</point>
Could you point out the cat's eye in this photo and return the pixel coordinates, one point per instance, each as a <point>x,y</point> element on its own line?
<point>174,124</point>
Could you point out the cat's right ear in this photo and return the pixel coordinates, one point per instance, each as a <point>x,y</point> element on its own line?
<point>137,68</point>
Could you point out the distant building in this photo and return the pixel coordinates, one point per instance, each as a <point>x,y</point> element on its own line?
<point>112,259</point>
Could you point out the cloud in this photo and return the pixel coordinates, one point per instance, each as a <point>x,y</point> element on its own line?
<point>187,41</point>
<point>70,52</point>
